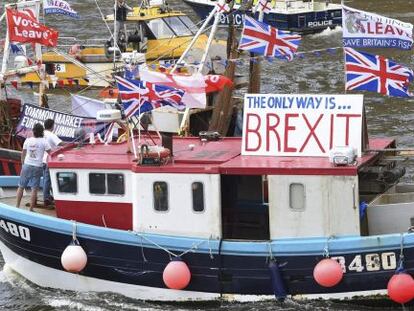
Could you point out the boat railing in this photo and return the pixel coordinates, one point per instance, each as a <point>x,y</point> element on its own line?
<point>294,5</point>
<point>67,42</point>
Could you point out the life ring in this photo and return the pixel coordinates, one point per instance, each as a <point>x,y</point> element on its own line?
<point>154,152</point>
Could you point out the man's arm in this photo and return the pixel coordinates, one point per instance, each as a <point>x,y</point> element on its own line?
<point>23,155</point>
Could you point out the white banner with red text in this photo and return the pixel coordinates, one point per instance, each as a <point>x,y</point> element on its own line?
<point>301,124</point>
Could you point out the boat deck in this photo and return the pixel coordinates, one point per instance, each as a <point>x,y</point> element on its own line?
<point>213,157</point>
<point>11,200</point>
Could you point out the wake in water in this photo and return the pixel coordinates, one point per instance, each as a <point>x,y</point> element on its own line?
<point>327,32</point>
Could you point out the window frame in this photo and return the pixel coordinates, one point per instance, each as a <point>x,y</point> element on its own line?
<point>153,197</point>
<point>192,197</point>
<point>58,186</point>
<point>303,208</point>
<point>106,184</point>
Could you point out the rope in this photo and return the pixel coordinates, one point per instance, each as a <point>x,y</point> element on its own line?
<point>74,225</point>
<point>269,245</point>
<point>103,18</point>
<point>401,261</point>
<point>326,248</point>
<point>170,253</point>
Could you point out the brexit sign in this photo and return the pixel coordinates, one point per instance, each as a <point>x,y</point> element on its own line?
<point>301,125</point>
<point>363,29</point>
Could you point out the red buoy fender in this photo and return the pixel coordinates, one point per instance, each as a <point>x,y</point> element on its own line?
<point>401,287</point>
<point>328,272</point>
<point>176,274</point>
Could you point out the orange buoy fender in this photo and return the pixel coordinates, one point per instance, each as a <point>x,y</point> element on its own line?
<point>74,258</point>
<point>328,272</point>
<point>401,287</point>
<point>176,274</point>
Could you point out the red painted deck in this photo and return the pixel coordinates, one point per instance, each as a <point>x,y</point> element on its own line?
<point>211,157</point>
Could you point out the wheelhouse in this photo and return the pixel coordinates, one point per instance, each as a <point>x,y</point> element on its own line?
<point>210,190</point>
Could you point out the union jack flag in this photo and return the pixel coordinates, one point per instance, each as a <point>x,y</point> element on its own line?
<point>139,96</point>
<point>263,39</point>
<point>377,74</point>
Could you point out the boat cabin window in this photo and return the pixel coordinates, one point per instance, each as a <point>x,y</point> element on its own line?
<point>101,183</point>
<point>198,196</point>
<point>297,197</point>
<point>179,28</point>
<point>116,184</point>
<point>67,182</point>
<point>160,190</point>
<point>189,23</point>
<point>160,29</point>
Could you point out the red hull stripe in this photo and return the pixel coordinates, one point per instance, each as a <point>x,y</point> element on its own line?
<point>104,214</point>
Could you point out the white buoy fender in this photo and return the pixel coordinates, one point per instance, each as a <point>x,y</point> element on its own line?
<point>74,258</point>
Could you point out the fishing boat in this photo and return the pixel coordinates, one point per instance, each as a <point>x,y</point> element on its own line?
<point>156,34</point>
<point>302,16</point>
<point>204,218</point>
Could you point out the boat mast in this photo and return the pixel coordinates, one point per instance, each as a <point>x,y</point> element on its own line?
<point>254,68</point>
<point>35,6</point>
<point>216,14</point>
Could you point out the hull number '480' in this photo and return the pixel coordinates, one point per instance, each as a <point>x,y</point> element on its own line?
<point>368,262</point>
<point>17,231</point>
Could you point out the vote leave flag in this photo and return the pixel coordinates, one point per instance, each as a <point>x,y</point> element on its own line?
<point>23,27</point>
<point>368,30</point>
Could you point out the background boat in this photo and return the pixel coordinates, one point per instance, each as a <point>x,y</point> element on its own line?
<point>299,15</point>
<point>314,72</point>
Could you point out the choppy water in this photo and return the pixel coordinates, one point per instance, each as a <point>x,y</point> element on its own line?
<point>314,73</point>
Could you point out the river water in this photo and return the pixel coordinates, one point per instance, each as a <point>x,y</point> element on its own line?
<point>320,72</point>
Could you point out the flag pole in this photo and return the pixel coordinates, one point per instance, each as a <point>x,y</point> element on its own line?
<point>254,81</point>
<point>216,13</point>
<point>6,52</point>
<point>115,32</point>
<point>210,38</point>
<point>193,41</point>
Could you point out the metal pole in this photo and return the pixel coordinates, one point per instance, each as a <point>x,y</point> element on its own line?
<point>115,31</point>
<point>210,38</point>
<point>6,52</point>
<point>254,81</point>
<point>196,36</point>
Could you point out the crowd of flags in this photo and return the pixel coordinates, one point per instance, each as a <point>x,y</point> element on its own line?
<point>363,71</point>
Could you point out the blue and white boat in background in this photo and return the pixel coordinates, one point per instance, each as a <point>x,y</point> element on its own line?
<point>302,16</point>
<point>207,218</point>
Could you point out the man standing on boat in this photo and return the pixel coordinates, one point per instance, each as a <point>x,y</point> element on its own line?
<point>34,149</point>
<point>54,142</point>
<point>121,11</point>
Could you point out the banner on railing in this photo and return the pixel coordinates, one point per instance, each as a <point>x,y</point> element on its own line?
<point>368,30</point>
<point>67,126</point>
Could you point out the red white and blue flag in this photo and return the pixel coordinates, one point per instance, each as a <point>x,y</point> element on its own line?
<point>139,96</point>
<point>376,73</point>
<point>264,39</point>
